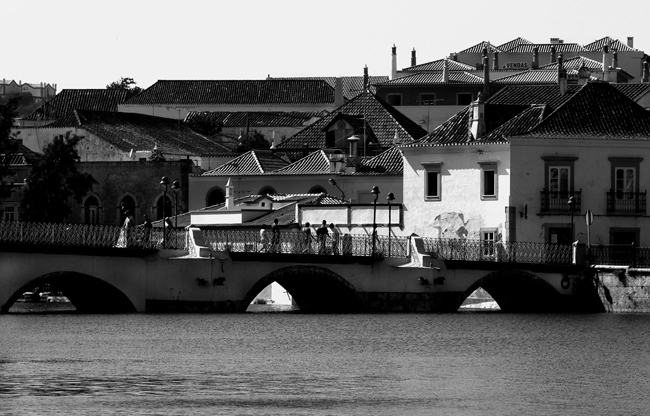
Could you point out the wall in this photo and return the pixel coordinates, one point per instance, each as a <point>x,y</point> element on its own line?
<point>435,114</point>
<point>460,213</point>
<point>181,111</point>
<point>356,219</point>
<point>593,174</point>
<point>35,138</point>
<point>624,290</point>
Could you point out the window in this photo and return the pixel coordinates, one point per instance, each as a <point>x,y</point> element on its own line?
<point>215,197</point>
<point>432,181</point>
<point>394,99</point>
<point>10,213</point>
<point>624,182</point>
<point>428,99</point>
<point>488,180</point>
<point>488,239</point>
<point>91,210</point>
<point>464,98</point>
<point>624,196</point>
<point>559,186</point>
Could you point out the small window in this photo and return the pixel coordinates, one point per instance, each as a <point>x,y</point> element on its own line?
<point>488,180</point>
<point>427,99</point>
<point>10,213</point>
<point>432,181</point>
<point>488,239</point>
<point>464,98</point>
<point>394,99</point>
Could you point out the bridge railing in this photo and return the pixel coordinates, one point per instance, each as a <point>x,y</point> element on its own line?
<point>511,252</point>
<point>252,241</point>
<point>89,235</point>
<point>619,255</point>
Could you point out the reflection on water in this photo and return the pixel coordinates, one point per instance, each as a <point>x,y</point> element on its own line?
<point>269,363</point>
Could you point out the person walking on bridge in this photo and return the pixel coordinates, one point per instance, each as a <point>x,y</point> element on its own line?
<point>321,235</point>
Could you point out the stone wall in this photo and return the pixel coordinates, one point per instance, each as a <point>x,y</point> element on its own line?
<point>623,289</point>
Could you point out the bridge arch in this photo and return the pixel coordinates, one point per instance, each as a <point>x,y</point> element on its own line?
<point>518,291</point>
<point>87,293</point>
<point>315,289</point>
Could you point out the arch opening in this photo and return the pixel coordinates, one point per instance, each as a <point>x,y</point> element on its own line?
<point>215,197</point>
<point>517,292</point>
<point>312,289</point>
<point>86,294</point>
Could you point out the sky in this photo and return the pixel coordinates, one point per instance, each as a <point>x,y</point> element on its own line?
<point>88,44</point>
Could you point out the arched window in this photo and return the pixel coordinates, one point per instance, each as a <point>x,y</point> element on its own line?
<point>126,204</point>
<point>215,197</point>
<point>317,190</point>
<point>266,191</point>
<point>91,210</point>
<point>161,212</point>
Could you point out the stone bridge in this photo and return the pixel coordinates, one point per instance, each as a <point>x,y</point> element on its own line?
<point>109,279</point>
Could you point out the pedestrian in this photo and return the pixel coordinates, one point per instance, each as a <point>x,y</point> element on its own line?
<point>264,240</point>
<point>335,239</point>
<point>275,236</point>
<point>321,236</point>
<point>306,231</point>
<point>167,229</point>
<point>146,225</point>
<point>129,222</point>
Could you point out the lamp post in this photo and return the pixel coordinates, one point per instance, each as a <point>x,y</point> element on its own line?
<point>333,182</point>
<point>572,203</point>
<point>164,182</point>
<point>176,186</point>
<point>375,192</point>
<point>389,198</point>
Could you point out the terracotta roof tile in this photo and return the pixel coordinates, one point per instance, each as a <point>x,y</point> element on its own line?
<point>614,44</point>
<point>316,162</point>
<point>253,162</point>
<point>388,162</point>
<point>478,48</point>
<point>352,86</point>
<point>427,78</point>
<point>514,43</point>
<point>439,65</point>
<point>382,118</point>
<point>596,111</point>
<point>576,63</point>
<point>257,118</point>
<point>68,100</point>
<point>546,48</point>
<point>237,92</point>
<point>527,95</point>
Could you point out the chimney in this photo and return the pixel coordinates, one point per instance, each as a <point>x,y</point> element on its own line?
<point>561,75</point>
<point>495,61</point>
<point>454,57</point>
<point>535,63</point>
<point>646,71</point>
<point>413,60</point>
<point>365,78</point>
<point>477,118</point>
<point>630,41</point>
<point>605,53</point>
<point>445,70</point>
<point>230,195</point>
<point>486,75</point>
<point>393,70</point>
<point>354,143</point>
<point>583,74</point>
<point>338,92</point>
<point>614,59</point>
<point>553,55</point>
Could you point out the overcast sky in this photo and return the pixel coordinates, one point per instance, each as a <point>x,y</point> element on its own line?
<point>88,44</point>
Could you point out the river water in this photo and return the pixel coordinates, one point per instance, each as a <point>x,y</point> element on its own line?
<point>297,364</point>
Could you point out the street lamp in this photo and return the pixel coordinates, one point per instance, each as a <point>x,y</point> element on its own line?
<point>389,198</point>
<point>375,192</point>
<point>333,182</point>
<point>164,182</point>
<point>572,204</point>
<point>176,186</point>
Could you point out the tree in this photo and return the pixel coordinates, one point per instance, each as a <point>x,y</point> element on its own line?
<point>205,125</point>
<point>7,144</point>
<point>125,84</point>
<point>251,141</point>
<point>54,180</point>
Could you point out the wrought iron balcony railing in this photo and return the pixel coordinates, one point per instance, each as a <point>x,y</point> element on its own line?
<point>558,202</point>
<point>619,202</point>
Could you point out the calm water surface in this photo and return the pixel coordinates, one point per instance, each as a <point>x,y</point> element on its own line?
<point>293,364</point>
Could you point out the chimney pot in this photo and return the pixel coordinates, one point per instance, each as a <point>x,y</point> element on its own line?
<point>630,41</point>
<point>413,60</point>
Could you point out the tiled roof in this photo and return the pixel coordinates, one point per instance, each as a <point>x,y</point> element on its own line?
<point>614,44</point>
<point>533,76</point>
<point>439,65</point>
<point>546,48</point>
<point>17,154</point>
<point>388,162</point>
<point>237,92</point>
<point>128,131</point>
<point>315,162</point>
<point>514,43</point>
<point>633,91</point>
<point>253,162</point>
<point>68,100</point>
<point>478,48</point>
<point>519,124</point>
<point>596,111</point>
<point>256,118</point>
<point>527,95</point>
<point>352,86</point>
<point>427,78</point>
<point>382,118</point>
<point>576,63</point>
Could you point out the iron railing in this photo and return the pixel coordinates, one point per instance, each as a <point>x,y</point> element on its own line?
<point>619,202</point>
<point>554,201</point>
<point>89,235</point>
<point>619,255</point>
<point>511,252</point>
<point>298,243</point>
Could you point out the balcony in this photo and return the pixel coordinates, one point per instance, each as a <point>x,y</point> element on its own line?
<point>558,202</point>
<point>631,203</point>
